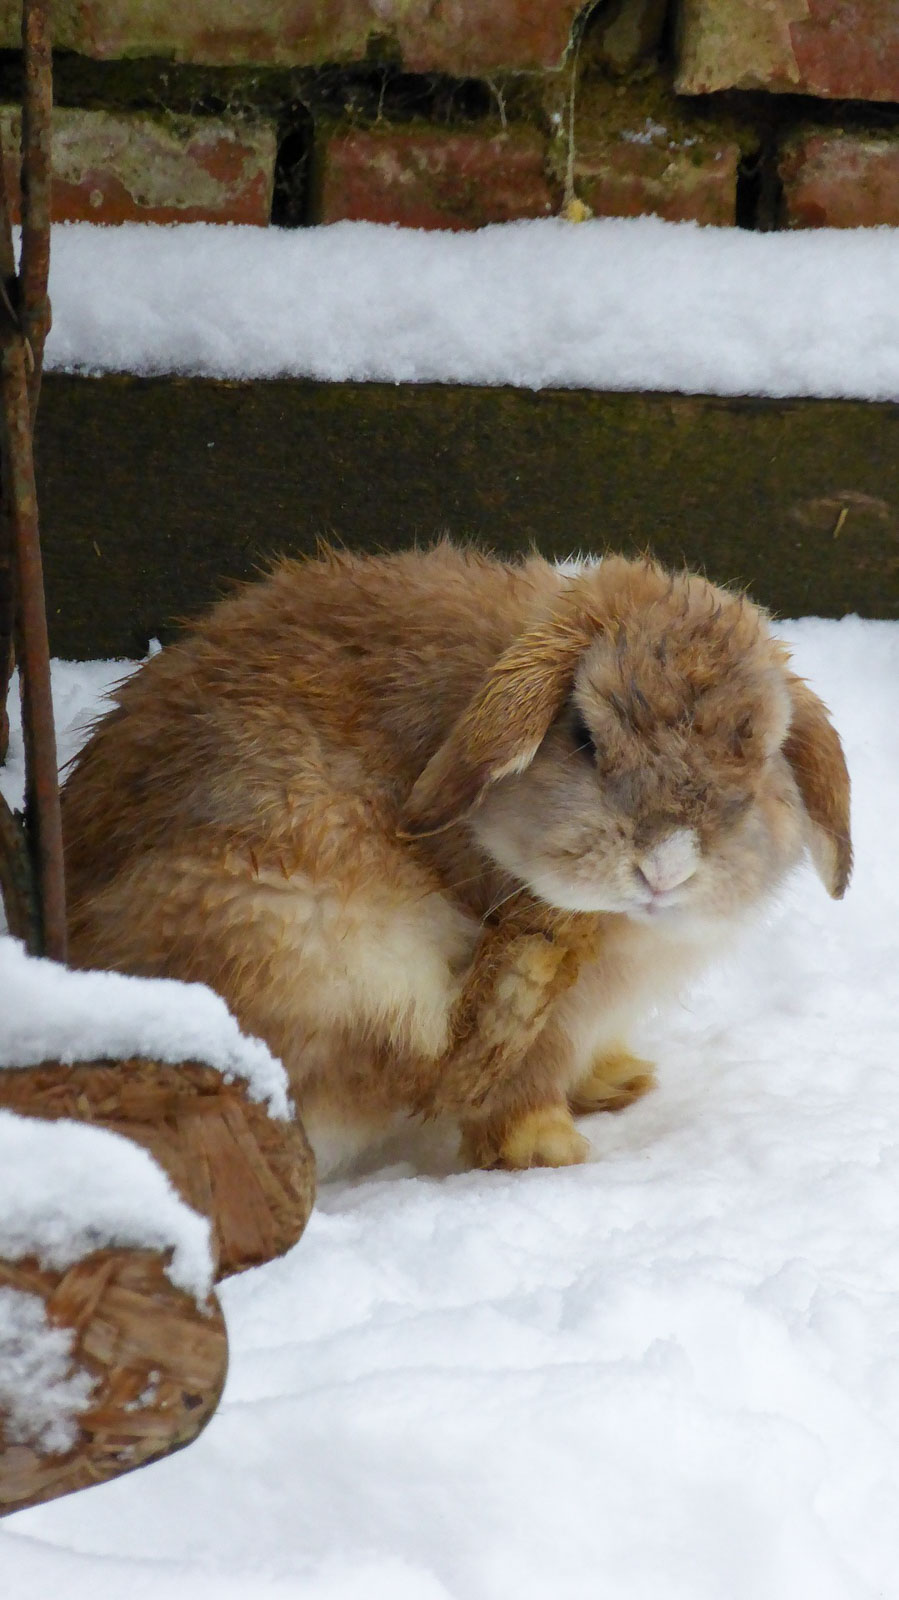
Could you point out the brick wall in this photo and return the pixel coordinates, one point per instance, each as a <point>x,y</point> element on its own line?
<point>766,113</point>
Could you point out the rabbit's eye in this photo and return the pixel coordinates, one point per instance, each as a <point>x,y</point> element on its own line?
<point>584,741</point>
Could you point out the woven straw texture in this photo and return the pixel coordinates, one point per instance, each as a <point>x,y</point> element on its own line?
<point>253,1176</point>
<point>158,1360</point>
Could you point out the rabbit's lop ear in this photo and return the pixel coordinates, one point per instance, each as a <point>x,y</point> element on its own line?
<point>812,748</point>
<point>502,728</point>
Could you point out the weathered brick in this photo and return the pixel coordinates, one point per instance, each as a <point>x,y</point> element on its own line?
<point>425,177</point>
<point>692,183</point>
<point>840,180</point>
<point>461,37</point>
<point>623,34</point>
<point>636,152</point>
<point>844,49</point>
<point>135,168</point>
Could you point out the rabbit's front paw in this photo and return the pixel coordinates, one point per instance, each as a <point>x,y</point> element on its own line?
<point>543,1138</point>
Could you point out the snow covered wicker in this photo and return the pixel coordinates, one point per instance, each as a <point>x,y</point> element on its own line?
<point>166,1064</point>
<point>144,1366</point>
<point>251,1173</point>
<point>132,1174</point>
<point>112,1347</point>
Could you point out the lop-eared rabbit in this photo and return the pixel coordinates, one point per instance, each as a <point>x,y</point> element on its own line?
<point>440,828</point>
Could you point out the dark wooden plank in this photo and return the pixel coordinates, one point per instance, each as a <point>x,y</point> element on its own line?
<point>156,492</point>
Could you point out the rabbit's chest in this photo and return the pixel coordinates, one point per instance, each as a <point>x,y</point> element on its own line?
<point>639,967</point>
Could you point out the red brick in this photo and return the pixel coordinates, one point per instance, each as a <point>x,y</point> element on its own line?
<point>843,49</point>
<point>638,150</point>
<point>840,180</point>
<point>461,37</point>
<point>431,177</point>
<point>682,182</point>
<point>135,168</point>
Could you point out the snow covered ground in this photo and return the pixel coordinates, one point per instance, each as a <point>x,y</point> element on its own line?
<point>612,304</point>
<point>672,1374</point>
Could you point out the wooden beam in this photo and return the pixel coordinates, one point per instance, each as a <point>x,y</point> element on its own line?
<point>155,493</point>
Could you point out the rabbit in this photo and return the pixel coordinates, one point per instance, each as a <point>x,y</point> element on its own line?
<point>441,828</point>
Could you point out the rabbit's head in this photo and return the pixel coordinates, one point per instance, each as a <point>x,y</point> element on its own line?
<point>644,749</point>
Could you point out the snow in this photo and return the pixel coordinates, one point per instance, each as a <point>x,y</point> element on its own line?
<point>68,1189</point>
<point>41,1391</point>
<point>606,304</point>
<point>672,1374</point>
<point>53,1014</point>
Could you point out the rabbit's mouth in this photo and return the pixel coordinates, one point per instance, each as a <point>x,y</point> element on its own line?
<point>636,900</point>
<point>648,885</point>
<point>660,903</point>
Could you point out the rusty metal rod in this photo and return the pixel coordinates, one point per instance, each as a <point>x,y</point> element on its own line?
<point>8,289</point>
<point>24,318</point>
<point>34,265</point>
<point>42,807</point>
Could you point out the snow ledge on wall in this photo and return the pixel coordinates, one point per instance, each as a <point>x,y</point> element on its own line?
<point>629,304</point>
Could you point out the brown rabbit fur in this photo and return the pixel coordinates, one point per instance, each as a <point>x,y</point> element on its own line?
<point>440,828</point>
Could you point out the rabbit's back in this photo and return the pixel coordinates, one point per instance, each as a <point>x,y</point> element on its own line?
<point>234,818</point>
<point>332,678</point>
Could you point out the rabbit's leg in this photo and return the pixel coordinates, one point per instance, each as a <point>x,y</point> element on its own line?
<point>614,1080</point>
<point>506,1073</point>
<point>501,1013</point>
<point>535,1128</point>
<point>527,1121</point>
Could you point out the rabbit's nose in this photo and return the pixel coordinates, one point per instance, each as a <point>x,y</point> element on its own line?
<point>670,862</point>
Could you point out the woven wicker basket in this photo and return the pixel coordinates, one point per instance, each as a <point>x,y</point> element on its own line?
<point>158,1361</point>
<point>252,1175</point>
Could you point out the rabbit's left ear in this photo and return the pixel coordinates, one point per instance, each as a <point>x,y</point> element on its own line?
<point>503,726</point>
<point>812,748</point>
